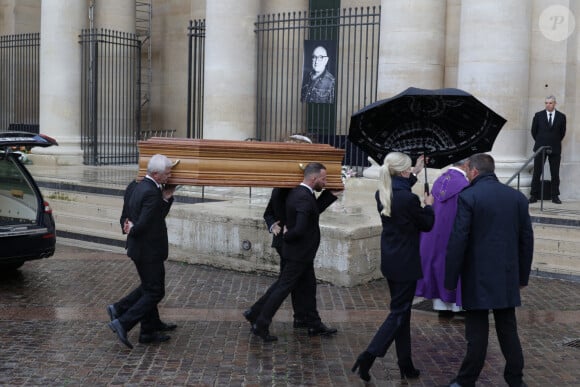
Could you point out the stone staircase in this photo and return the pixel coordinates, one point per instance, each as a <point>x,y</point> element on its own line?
<point>557,246</point>
<point>91,219</point>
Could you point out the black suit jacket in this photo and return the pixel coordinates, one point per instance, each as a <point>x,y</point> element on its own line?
<point>400,237</point>
<point>276,211</point>
<point>543,134</point>
<point>491,246</point>
<point>147,240</point>
<point>302,239</point>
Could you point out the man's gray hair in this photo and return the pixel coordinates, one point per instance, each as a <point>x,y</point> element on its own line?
<point>158,163</point>
<point>551,98</point>
<point>460,162</point>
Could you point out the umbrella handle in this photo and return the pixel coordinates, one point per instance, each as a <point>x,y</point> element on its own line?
<point>427,188</point>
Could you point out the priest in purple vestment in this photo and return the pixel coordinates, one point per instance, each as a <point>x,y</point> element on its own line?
<point>445,191</point>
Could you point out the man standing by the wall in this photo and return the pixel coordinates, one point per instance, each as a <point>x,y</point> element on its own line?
<point>548,128</point>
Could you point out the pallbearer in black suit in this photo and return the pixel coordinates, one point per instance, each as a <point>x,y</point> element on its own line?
<point>275,218</point>
<point>548,128</point>
<point>301,238</point>
<point>147,246</point>
<point>403,220</point>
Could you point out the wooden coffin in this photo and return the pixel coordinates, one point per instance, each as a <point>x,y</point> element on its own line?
<point>225,163</point>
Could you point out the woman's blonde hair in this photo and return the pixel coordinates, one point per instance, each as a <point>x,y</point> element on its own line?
<point>395,163</point>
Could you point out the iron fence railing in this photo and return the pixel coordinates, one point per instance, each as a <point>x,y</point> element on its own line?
<point>110,96</point>
<point>350,38</point>
<point>195,84</point>
<point>19,81</point>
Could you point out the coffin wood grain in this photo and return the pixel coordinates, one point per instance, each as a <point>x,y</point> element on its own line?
<point>225,163</point>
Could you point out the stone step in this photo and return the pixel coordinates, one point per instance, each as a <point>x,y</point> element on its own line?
<point>556,232</point>
<point>211,233</point>
<point>89,225</point>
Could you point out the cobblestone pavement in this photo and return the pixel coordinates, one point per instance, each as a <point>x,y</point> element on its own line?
<point>53,331</point>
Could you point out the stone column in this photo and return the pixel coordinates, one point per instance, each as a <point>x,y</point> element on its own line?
<point>230,70</point>
<point>452,23</point>
<point>60,77</point>
<point>494,66</point>
<point>118,15</point>
<point>412,47</point>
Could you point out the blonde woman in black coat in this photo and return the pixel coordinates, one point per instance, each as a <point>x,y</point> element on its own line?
<point>403,219</point>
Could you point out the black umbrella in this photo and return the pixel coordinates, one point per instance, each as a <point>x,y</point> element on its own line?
<point>445,125</point>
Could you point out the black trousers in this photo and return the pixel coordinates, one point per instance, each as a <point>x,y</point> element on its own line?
<point>144,308</point>
<point>304,311</point>
<point>125,303</point>
<point>476,334</point>
<point>397,326</point>
<point>294,274</point>
<point>554,161</point>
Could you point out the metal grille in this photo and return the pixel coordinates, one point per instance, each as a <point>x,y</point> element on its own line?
<point>195,82</point>
<point>19,81</point>
<point>111,110</point>
<point>281,60</point>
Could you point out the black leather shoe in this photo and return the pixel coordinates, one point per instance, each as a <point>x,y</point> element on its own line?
<point>409,372</point>
<point>155,337</point>
<point>363,363</point>
<point>116,327</point>
<point>321,330</point>
<point>112,312</point>
<point>264,334</point>
<point>556,200</point>
<point>249,317</point>
<point>532,199</point>
<point>300,324</point>
<point>166,327</point>
<point>445,314</point>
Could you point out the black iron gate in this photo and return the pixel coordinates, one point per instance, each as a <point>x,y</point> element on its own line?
<point>19,82</point>
<point>111,109</point>
<point>288,50</point>
<point>196,60</point>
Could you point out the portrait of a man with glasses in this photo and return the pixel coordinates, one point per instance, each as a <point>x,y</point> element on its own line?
<point>317,82</point>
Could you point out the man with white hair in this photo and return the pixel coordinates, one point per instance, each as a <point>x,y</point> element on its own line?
<point>147,246</point>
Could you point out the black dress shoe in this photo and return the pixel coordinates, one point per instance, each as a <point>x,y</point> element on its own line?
<point>116,327</point>
<point>166,327</point>
<point>363,363</point>
<point>300,324</point>
<point>264,334</point>
<point>532,199</point>
<point>446,314</point>
<point>321,330</point>
<point>155,337</point>
<point>409,372</point>
<point>112,312</point>
<point>556,200</point>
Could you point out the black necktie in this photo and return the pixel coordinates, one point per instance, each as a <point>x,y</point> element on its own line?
<point>550,119</point>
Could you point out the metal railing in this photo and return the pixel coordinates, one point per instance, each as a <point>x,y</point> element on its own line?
<point>351,37</point>
<point>19,80</point>
<point>110,96</point>
<point>543,150</point>
<point>195,69</point>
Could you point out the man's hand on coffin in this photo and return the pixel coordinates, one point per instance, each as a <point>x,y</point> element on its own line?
<point>337,193</point>
<point>168,190</point>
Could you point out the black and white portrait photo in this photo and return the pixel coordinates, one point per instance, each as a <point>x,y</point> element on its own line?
<point>318,80</point>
